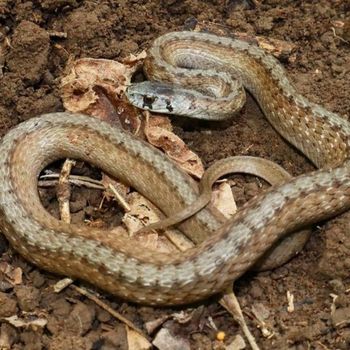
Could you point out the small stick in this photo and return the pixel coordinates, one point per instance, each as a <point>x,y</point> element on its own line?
<point>52,183</point>
<point>63,190</point>
<point>119,198</point>
<point>63,195</point>
<point>290,299</point>
<point>104,306</point>
<point>76,177</point>
<point>231,304</point>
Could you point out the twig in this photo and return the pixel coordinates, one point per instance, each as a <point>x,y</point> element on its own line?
<point>62,284</point>
<point>230,303</point>
<point>290,298</point>
<point>119,198</point>
<point>73,179</point>
<point>52,183</point>
<point>63,190</point>
<point>56,34</point>
<point>63,196</point>
<point>104,306</point>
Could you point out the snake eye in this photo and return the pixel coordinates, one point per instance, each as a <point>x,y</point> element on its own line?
<point>148,101</point>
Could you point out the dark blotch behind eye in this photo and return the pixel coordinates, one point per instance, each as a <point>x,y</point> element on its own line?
<point>148,101</point>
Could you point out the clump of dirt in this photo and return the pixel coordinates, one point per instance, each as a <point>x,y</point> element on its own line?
<point>29,54</point>
<point>37,41</point>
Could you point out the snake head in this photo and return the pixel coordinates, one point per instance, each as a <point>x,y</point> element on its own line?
<point>156,97</point>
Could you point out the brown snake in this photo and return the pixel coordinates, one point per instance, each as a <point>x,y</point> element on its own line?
<point>131,272</point>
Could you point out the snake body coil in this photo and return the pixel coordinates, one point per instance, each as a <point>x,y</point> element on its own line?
<point>115,264</point>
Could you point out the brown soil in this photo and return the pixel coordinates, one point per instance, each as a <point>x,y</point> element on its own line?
<point>33,58</point>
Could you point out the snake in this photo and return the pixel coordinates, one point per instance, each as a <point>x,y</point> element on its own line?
<point>225,249</point>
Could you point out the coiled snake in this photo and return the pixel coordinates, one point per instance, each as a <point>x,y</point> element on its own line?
<point>115,264</point>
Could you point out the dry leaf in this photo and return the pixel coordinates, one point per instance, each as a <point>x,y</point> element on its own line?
<point>86,73</point>
<point>222,199</point>
<point>136,341</point>
<point>95,87</point>
<point>21,322</point>
<point>160,135</point>
<point>13,274</point>
<point>143,212</point>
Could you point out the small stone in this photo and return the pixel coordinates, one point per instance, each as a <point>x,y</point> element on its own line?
<point>164,340</point>
<point>28,297</point>
<point>337,286</point>
<point>116,338</point>
<point>280,273</point>
<point>38,279</point>
<point>80,319</point>
<point>61,308</point>
<point>341,317</point>
<point>8,306</point>
<point>103,315</point>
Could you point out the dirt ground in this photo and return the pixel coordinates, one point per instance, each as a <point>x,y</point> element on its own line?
<point>33,56</point>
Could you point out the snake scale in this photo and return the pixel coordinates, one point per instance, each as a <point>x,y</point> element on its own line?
<point>117,265</point>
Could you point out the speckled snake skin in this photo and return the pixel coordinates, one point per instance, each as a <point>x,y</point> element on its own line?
<point>117,265</point>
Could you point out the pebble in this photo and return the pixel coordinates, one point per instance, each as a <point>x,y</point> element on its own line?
<point>28,297</point>
<point>80,319</point>
<point>337,286</point>
<point>8,306</point>
<point>341,317</point>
